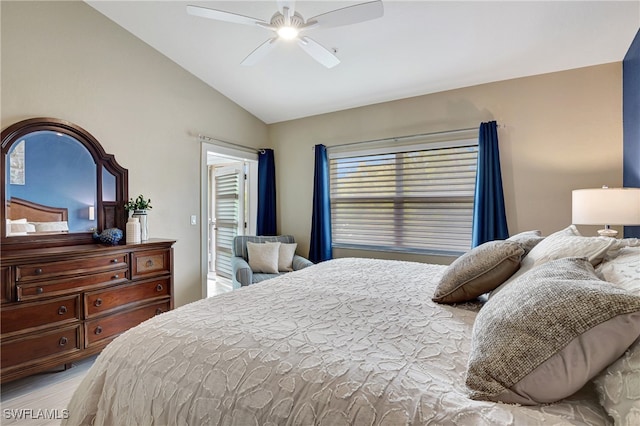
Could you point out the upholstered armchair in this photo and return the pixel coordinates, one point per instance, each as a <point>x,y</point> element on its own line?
<point>243,275</point>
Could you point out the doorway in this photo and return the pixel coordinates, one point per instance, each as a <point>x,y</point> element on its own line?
<point>229,209</point>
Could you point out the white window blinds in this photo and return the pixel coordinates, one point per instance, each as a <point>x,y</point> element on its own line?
<point>420,200</point>
<point>229,215</point>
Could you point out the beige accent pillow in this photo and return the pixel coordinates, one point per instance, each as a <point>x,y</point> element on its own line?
<point>527,240</point>
<point>263,257</point>
<point>548,333</point>
<point>565,243</point>
<point>478,271</point>
<point>285,256</point>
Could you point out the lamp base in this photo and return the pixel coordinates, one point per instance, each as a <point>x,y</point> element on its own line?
<point>608,232</point>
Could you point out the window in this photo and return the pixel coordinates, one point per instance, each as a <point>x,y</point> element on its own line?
<point>417,199</point>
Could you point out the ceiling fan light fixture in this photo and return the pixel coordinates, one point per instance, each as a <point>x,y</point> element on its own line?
<point>288,33</point>
<point>287,24</point>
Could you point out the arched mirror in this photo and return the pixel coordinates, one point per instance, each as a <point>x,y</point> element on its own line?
<point>58,185</point>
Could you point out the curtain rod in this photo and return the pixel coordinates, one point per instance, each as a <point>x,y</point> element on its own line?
<point>402,138</point>
<point>204,138</point>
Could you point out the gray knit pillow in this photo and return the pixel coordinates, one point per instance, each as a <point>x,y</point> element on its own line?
<point>548,333</point>
<point>478,271</point>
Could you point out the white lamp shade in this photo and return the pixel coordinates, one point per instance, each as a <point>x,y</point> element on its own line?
<point>606,206</point>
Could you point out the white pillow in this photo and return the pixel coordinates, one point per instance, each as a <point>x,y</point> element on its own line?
<point>285,255</point>
<point>618,388</point>
<point>565,243</point>
<point>51,226</point>
<point>623,270</point>
<point>22,227</point>
<point>263,257</point>
<point>569,243</point>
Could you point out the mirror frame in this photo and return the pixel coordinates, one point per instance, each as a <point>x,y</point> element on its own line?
<point>109,214</point>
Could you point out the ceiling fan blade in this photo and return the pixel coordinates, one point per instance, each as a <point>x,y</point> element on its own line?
<point>318,52</point>
<point>220,15</point>
<point>260,52</point>
<point>349,15</point>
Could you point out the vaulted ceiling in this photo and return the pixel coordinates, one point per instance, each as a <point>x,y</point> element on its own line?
<point>415,48</point>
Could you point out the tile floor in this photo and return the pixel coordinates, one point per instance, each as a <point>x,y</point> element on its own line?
<point>218,285</point>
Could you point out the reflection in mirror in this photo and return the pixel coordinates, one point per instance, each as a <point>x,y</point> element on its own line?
<point>108,186</point>
<point>55,171</point>
<point>51,169</point>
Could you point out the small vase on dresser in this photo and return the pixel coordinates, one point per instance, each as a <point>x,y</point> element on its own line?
<point>139,207</point>
<point>141,215</point>
<point>133,231</point>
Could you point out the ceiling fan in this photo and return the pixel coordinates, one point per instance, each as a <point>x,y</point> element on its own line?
<point>287,24</point>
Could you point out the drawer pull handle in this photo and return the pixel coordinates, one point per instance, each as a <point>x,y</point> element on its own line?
<point>116,276</point>
<point>98,330</point>
<point>97,303</point>
<point>39,290</point>
<point>149,263</point>
<point>62,310</point>
<point>63,341</point>
<point>159,287</point>
<point>114,261</point>
<point>38,271</point>
<point>159,311</point>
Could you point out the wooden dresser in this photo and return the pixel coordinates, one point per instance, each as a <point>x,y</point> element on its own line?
<point>65,303</point>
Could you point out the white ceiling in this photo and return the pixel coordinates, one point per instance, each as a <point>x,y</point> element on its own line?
<point>417,47</point>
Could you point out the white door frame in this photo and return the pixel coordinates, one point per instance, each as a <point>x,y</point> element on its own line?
<point>237,154</point>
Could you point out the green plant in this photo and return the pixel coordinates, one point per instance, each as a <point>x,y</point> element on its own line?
<point>138,204</point>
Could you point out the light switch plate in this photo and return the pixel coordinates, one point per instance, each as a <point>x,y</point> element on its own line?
<point>194,219</point>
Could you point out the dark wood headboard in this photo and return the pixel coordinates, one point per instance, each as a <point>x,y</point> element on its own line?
<point>18,208</point>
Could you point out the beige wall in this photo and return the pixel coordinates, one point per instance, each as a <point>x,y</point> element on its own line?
<point>563,131</point>
<point>66,60</point>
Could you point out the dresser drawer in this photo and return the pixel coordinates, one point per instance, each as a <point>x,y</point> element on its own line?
<point>102,301</point>
<point>30,349</point>
<point>70,267</point>
<point>40,289</point>
<point>99,330</point>
<point>150,263</point>
<point>5,284</point>
<point>53,312</point>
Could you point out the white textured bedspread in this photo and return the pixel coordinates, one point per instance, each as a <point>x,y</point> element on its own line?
<point>345,342</point>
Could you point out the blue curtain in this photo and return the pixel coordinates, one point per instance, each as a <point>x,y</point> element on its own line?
<point>489,218</point>
<point>266,193</point>
<point>320,249</point>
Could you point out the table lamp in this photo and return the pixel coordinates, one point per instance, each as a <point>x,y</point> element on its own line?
<point>606,206</point>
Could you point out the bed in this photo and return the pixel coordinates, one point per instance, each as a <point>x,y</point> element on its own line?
<point>26,217</point>
<point>345,342</point>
